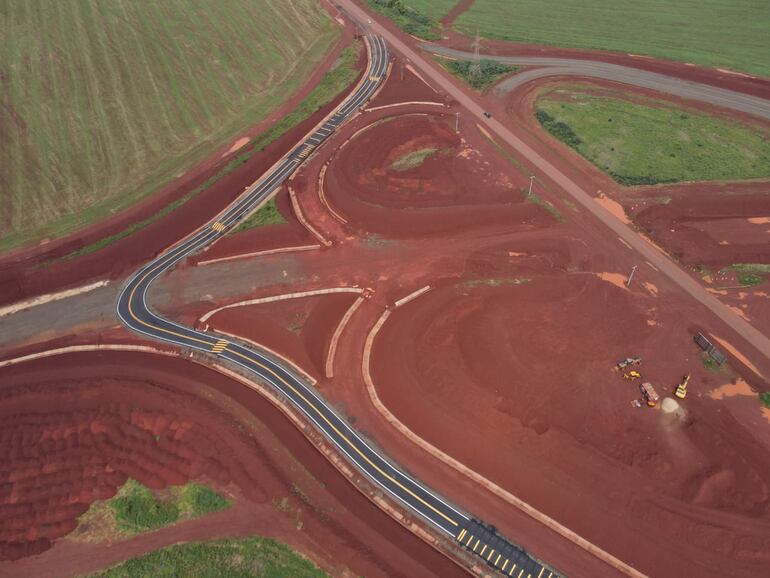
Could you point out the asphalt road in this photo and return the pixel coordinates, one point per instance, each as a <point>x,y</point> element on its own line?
<point>134,312</point>
<point>625,74</point>
<point>757,341</point>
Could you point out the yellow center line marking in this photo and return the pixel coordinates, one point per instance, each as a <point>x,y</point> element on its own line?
<point>477,544</point>
<point>542,569</point>
<point>498,559</point>
<point>470,537</point>
<point>505,564</point>
<point>490,554</point>
<point>510,572</point>
<point>482,550</point>
<point>344,437</point>
<point>460,536</point>
<point>520,573</point>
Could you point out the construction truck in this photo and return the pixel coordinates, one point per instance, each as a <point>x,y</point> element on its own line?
<point>649,393</point>
<point>632,375</point>
<point>629,361</point>
<point>681,389</point>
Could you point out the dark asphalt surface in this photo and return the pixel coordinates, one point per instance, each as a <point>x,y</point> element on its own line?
<point>135,314</point>
<point>627,75</point>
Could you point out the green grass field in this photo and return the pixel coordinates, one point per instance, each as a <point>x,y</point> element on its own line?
<point>648,141</point>
<point>718,33</point>
<point>105,102</point>
<point>340,77</point>
<point>136,509</point>
<point>241,558</point>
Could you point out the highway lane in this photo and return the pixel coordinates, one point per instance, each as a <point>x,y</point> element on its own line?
<point>133,311</point>
<point>548,66</point>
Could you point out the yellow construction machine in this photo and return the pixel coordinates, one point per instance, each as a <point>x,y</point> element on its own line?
<point>681,389</point>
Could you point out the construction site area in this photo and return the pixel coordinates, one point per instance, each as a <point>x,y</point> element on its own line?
<point>471,321</point>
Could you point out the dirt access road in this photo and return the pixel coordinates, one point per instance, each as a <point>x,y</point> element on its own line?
<point>548,66</point>
<point>756,339</point>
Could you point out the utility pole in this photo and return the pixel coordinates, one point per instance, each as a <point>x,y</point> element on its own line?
<point>531,180</point>
<point>630,276</point>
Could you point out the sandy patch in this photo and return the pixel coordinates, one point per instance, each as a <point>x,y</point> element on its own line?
<point>515,254</point>
<point>740,387</point>
<point>742,358</point>
<point>613,207</point>
<point>724,242</point>
<point>759,220</point>
<point>617,279</point>
<point>652,322</point>
<point>240,143</point>
<point>766,413</point>
<point>651,288</point>
<point>739,312</point>
<point>716,291</point>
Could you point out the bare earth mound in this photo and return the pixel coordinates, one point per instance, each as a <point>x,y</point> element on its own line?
<point>523,369</point>
<point>372,182</point>
<point>300,329</point>
<point>73,428</point>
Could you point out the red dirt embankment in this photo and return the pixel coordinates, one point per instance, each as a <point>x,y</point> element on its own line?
<point>459,184</point>
<point>299,329</point>
<point>289,234</point>
<point>517,359</point>
<point>74,427</point>
<point>21,273</point>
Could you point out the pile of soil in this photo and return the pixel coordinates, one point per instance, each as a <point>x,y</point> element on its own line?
<point>73,428</point>
<point>459,185</point>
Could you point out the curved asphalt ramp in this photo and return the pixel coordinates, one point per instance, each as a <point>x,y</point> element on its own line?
<point>738,101</point>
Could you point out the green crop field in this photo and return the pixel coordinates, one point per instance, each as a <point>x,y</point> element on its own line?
<point>720,33</point>
<point>105,102</point>
<point>645,141</point>
<point>241,558</point>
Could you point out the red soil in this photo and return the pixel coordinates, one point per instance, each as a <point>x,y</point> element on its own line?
<point>21,273</point>
<point>75,427</point>
<point>289,234</point>
<point>405,86</point>
<point>520,364</point>
<point>462,184</point>
<point>706,223</point>
<point>299,329</point>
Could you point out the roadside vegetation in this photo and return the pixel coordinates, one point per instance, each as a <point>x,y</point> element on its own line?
<point>332,85</point>
<point>751,274</point>
<point>104,103</point>
<point>488,74</point>
<point>710,32</point>
<point>408,15</point>
<point>241,558</point>
<point>646,141</point>
<point>136,509</point>
<point>268,214</point>
<point>764,397</point>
